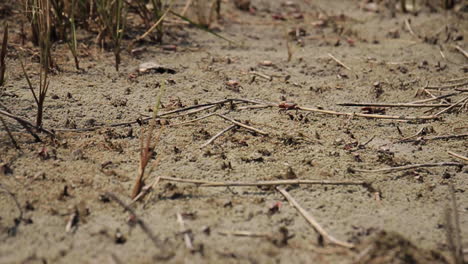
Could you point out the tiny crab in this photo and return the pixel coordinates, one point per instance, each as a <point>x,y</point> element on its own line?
<point>287,106</point>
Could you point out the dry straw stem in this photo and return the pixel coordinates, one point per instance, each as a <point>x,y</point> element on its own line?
<point>40,96</point>
<point>462,51</point>
<point>147,146</point>
<point>434,98</point>
<point>13,141</point>
<point>201,183</point>
<point>412,166</point>
<point>431,117</point>
<point>452,106</point>
<point>186,232</point>
<point>3,54</point>
<point>394,105</point>
<point>217,136</point>
<point>446,86</point>
<point>243,125</point>
<point>456,155</point>
<point>27,125</point>
<point>454,238</point>
<point>432,138</point>
<point>311,220</point>
<point>155,25</point>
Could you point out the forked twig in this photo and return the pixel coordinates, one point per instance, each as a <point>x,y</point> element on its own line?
<point>217,135</point>
<point>311,220</point>
<point>243,125</point>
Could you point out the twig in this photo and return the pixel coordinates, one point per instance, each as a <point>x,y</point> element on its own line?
<point>13,141</point>
<point>339,62</point>
<point>138,220</point>
<point>447,86</point>
<point>408,26</point>
<point>217,136</point>
<point>259,74</point>
<point>183,230</point>
<point>412,166</point>
<point>27,125</point>
<point>186,7</point>
<point>284,182</point>
<point>153,27</point>
<point>408,139</point>
<point>452,106</point>
<point>454,238</point>
<point>366,115</point>
<point>456,155</point>
<point>243,125</point>
<point>145,190</point>
<point>462,51</point>
<point>394,105</point>
<point>312,221</point>
<point>244,234</point>
<point>434,98</point>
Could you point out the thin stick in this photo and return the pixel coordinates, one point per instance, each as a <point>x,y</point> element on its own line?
<point>285,182</point>
<point>244,234</point>
<point>408,139</point>
<point>447,86</point>
<point>183,230</point>
<point>408,26</point>
<point>157,243</point>
<point>10,135</point>
<point>186,7</point>
<point>243,125</point>
<point>339,62</point>
<point>452,106</point>
<point>434,98</point>
<point>259,74</point>
<point>217,135</point>
<point>456,155</point>
<point>153,27</point>
<point>27,125</point>
<point>412,166</point>
<point>309,218</point>
<point>462,51</point>
<point>366,115</point>
<point>394,105</point>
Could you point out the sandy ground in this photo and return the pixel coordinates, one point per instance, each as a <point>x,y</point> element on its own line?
<point>400,216</point>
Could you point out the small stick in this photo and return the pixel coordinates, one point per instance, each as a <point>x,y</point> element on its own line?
<point>244,233</point>
<point>452,106</point>
<point>462,51</point>
<point>183,230</point>
<point>26,123</point>
<point>447,86</point>
<point>243,125</point>
<point>153,27</point>
<point>456,155</point>
<point>72,221</point>
<point>412,166</point>
<point>217,135</point>
<point>310,219</point>
<point>284,182</point>
<point>145,190</point>
<point>259,74</point>
<point>394,105</point>
<point>138,220</point>
<point>186,7</point>
<point>408,26</point>
<point>434,98</point>
<point>461,89</point>
<point>339,62</point>
<point>408,139</point>
<point>366,115</point>
<point>7,129</point>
